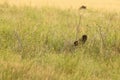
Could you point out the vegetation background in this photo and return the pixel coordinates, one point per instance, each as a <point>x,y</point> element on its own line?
<point>36,40</point>
<point>65,4</point>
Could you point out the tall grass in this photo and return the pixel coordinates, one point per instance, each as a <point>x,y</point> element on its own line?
<point>37,44</point>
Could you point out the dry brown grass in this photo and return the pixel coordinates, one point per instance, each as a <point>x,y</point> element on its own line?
<point>35,44</point>
<point>75,4</point>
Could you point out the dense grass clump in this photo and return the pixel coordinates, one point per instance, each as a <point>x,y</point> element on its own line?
<point>37,44</point>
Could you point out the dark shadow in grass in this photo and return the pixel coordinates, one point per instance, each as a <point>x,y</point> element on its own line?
<point>82,7</point>
<point>81,40</point>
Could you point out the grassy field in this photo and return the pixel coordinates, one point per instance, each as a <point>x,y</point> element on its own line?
<point>37,44</point>
<point>109,5</point>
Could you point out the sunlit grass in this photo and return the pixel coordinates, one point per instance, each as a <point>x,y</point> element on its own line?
<point>108,5</point>
<point>36,44</point>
